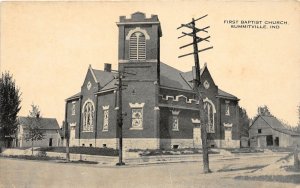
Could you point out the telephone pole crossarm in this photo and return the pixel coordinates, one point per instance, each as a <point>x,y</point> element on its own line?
<point>198,40</point>
<point>197,81</point>
<point>192,21</point>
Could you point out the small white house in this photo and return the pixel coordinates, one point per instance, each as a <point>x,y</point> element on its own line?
<point>49,126</point>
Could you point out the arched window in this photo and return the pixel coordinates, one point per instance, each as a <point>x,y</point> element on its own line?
<point>88,116</point>
<point>208,108</point>
<point>137,46</point>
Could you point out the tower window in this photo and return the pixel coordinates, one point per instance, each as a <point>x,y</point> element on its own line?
<point>137,46</point>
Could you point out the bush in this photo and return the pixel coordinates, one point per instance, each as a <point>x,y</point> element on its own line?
<point>180,151</point>
<point>83,150</point>
<point>32,157</point>
<point>42,154</point>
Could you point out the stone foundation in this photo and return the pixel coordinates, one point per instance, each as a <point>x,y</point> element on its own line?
<point>140,143</point>
<point>152,143</point>
<point>224,144</point>
<point>182,143</point>
<point>109,143</point>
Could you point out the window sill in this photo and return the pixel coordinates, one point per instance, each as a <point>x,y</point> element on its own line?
<point>175,130</point>
<point>105,130</point>
<point>87,131</point>
<point>136,128</point>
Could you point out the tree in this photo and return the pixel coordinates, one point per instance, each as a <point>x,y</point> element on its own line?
<point>243,122</point>
<point>34,126</point>
<point>298,127</point>
<point>9,107</point>
<point>263,110</point>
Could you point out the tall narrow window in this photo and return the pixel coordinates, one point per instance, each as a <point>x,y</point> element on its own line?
<point>137,46</point>
<point>175,120</point>
<point>88,116</point>
<point>175,123</point>
<point>73,108</point>
<point>227,110</point>
<point>105,118</point>
<point>210,117</point>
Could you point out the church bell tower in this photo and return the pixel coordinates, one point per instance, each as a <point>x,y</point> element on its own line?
<point>139,53</point>
<point>139,45</point>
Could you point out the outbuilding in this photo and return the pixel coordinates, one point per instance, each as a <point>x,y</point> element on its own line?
<point>50,129</point>
<point>267,130</point>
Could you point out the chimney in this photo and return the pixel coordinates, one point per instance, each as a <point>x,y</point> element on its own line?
<point>107,67</point>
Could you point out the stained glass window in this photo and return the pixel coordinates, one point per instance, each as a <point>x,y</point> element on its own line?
<point>175,123</point>
<point>105,120</point>
<point>88,117</point>
<point>137,118</point>
<point>210,117</point>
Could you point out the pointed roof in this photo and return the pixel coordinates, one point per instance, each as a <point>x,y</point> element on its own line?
<point>103,77</point>
<point>275,124</point>
<point>45,123</point>
<point>171,77</point>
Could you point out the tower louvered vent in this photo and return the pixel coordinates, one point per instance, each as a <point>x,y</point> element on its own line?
<point>137,46</point>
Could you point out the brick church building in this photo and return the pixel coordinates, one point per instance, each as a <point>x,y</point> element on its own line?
<point>161,107</point>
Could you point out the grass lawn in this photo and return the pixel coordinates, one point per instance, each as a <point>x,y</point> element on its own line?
<point>33,157</point>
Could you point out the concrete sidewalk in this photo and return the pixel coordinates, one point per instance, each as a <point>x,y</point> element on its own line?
<point>133,158</point>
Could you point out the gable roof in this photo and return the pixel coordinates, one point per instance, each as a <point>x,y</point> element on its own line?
<point>75,96</point>
<point>275,124</point>
<point>103,77</point>
<point>45,123</point>
<point>171,77</point>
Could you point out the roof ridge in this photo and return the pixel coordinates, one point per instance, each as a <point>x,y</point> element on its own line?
<point>266,121</point>
<point>108,83</point>
<point>171,67</point>
<point>185,80</point>
<point>41,117</point>
<point>93,74</point>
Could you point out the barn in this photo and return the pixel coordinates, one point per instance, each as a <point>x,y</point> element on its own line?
<point>268,131</point>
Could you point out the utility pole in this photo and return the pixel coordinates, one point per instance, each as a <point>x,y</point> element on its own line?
<point>120,114</point>
<point>197,81</point>
<point>67,134</point>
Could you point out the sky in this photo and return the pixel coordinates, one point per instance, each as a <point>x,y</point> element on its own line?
<point>48,47</point>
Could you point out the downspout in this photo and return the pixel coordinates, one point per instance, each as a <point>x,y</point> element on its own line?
<point>220,114</point>
<point>96,115</point>
<point>79,128</point>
